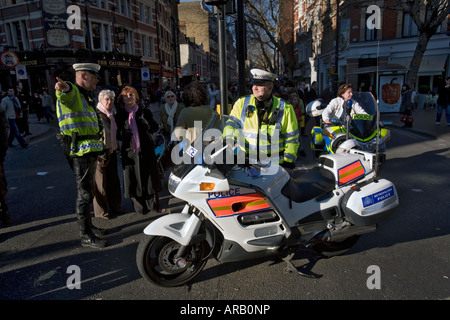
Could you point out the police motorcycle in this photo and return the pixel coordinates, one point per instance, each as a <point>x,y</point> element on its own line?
<point>361,131</point>
<point>253,209</point>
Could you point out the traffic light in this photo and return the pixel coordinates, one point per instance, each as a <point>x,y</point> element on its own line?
<point>198,76</point>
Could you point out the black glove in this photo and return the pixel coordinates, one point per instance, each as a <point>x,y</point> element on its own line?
<point>288,165</point>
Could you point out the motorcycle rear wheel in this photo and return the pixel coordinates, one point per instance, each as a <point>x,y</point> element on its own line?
<point>331,249</point>
<point>155,261</point>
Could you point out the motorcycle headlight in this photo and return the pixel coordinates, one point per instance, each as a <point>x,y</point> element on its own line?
<point>173,183</point>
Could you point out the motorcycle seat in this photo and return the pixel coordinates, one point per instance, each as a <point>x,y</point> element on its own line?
<point>305,185</point>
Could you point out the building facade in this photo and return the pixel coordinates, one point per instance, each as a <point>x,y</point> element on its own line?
<point>365,55</point>
<point>126,37</point>
<point>199,24</point>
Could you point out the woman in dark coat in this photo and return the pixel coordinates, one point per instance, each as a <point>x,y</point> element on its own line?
<point>135,126</point>
<point>406,99</point>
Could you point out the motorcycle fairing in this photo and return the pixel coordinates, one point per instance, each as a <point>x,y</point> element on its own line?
<point>305,185</point>
<point>239,204</point>
<point>178,226</point>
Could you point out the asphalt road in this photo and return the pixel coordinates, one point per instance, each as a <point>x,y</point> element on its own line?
<point>40,250</point>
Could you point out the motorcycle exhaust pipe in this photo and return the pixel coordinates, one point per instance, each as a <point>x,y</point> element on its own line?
<point>344,233</point>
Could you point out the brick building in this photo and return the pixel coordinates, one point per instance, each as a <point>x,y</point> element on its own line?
<point>198,23</point>
<point>123,36</point>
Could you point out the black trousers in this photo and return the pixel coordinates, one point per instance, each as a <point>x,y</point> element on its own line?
<point>84,171</point>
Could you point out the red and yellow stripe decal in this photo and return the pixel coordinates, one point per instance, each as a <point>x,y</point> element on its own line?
<point>351,172</point>
<point>223,207</point>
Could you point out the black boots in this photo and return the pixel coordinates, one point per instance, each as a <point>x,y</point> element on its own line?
<point>89,234</point>
<point>90,240</point>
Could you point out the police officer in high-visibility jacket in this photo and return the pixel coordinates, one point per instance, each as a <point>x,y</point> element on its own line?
<point>268,123</point>
<point>80,134</point>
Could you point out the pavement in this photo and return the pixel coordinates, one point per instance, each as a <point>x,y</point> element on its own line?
<point>424,123</point>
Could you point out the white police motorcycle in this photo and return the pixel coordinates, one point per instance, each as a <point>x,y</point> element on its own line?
<point>240,212</point>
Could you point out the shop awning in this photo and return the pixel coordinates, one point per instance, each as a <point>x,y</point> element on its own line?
<point>430,65</point>
<point>384,68</point>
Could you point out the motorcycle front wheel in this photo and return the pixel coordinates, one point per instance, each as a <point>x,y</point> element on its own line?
<point>330,249</point>
<point>156,262</point>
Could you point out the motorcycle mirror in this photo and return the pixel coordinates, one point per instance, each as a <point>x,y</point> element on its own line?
<point>209,159</point>
<point>349,106</point>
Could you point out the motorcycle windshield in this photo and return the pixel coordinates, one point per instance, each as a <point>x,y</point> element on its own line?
<point>210,138</point>
<point>363,127</point>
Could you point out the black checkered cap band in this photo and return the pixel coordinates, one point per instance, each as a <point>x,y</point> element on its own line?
<point>91,67</point>
<point>262,75</point>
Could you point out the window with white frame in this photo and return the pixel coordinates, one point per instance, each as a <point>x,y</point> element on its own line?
<point>128,4</point>
<point>124,7</point>
<point>141,12</point>
<point>151,47</point>
<point>101,36</point>
<point>102,4</point>
<point>96,36</point>
<point>149,15</point>
<point>144,45</point>
<point>17,35</point>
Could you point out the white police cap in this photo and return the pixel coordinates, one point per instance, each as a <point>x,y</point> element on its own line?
<point>91,67</point>
<point>260,76</point>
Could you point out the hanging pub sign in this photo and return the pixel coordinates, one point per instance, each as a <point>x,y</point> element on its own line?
<point>55,23</point>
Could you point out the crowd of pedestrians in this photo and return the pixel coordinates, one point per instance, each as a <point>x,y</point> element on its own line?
<point>95,130</point>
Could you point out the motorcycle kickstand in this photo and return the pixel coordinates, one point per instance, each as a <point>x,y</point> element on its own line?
<point>291,268</point>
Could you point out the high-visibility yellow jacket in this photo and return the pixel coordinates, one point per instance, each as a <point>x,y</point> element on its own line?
<point>278,133</point>
<point>76,114</point>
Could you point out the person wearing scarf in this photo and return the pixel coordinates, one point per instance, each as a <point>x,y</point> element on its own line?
<point>135,125</point>
<point>107,193</point>
<point>169,113</point>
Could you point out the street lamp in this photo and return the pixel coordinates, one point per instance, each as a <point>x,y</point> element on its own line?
<point>121,36</point>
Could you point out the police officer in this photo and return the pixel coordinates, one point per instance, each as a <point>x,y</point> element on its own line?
<point>80,136</point>
<point>268,123</point>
